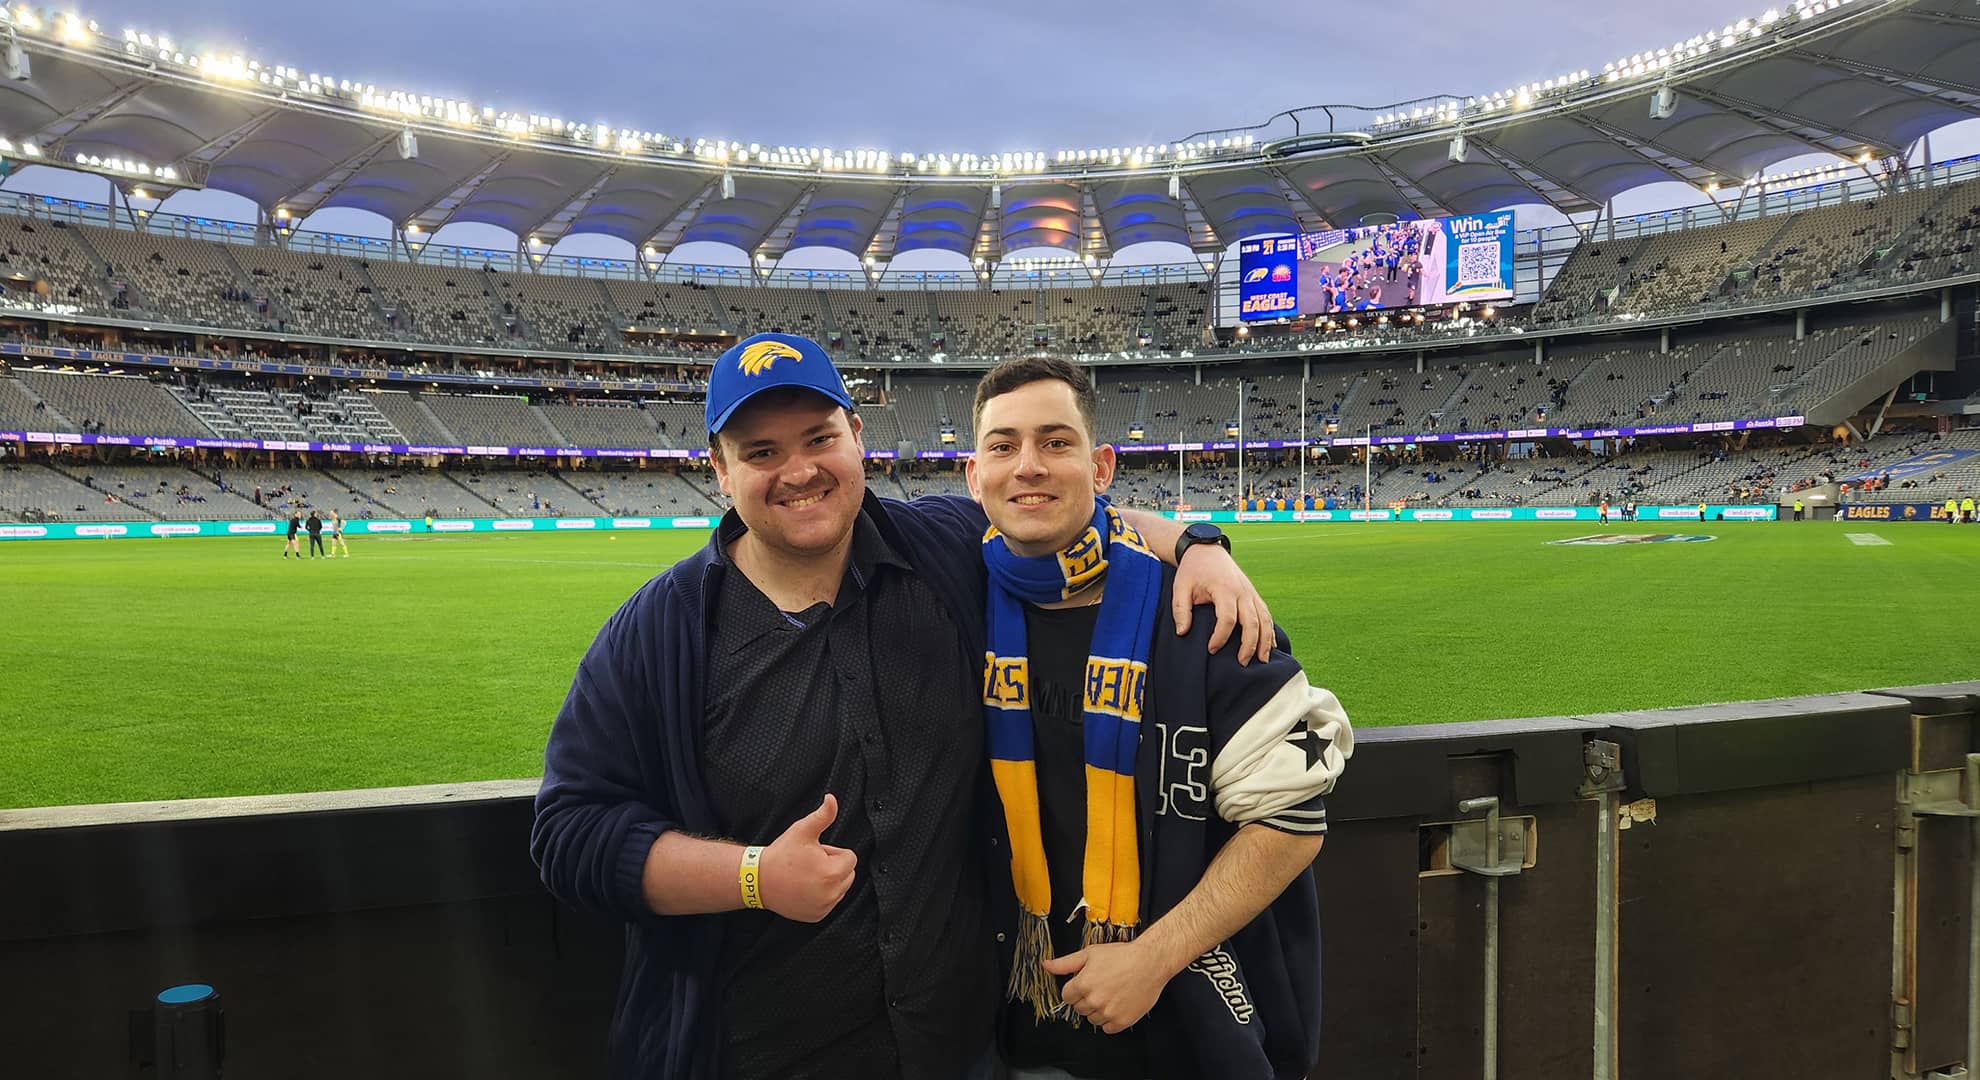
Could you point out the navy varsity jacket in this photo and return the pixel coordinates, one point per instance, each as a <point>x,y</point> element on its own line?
<point>1223,746</point>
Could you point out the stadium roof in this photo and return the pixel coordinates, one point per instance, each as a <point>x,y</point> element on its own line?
<point>1861,79</point>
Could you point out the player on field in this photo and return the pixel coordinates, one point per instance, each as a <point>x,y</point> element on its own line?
<point>337,535</point>
<point>295,526</point>
<point>315,527</point>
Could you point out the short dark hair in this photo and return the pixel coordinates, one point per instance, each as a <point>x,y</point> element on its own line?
<point>1012,374</point>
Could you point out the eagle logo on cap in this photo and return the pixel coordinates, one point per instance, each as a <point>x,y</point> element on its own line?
<point>757,359</point>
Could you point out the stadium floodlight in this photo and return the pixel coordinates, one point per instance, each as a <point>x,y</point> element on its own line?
<point>1663,103</point>
<point>408,145</point>
<point>1458,150</point>
<point>19,68</point>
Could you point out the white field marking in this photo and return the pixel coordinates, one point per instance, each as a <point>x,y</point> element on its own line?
<point>1867,540</point>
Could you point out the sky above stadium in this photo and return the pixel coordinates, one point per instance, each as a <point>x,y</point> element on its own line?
<point>921,76</point>
<point>929,75</point>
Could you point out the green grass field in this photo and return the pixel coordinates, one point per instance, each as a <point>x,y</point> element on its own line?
<point>166,669</point>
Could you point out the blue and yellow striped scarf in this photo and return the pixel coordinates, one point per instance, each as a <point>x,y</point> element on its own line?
<point>1109,552</point>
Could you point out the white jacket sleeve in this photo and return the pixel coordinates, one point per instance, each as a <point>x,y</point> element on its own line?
<point>1280,762</point>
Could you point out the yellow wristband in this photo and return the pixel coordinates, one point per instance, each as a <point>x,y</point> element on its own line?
<point>752,893</point>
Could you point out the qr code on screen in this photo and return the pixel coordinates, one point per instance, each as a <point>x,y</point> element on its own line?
<point>1477,264</point>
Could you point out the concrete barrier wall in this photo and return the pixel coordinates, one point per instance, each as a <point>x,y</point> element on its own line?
<point>1760,889</point>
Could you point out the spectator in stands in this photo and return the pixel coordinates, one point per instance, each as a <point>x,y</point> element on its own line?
<point>809,575</point>
<point>1073,587</point>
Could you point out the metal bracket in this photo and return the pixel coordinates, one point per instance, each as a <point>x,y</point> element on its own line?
<point>1492,845</point>
<point>1937,794</point>
<point>1601,762</point>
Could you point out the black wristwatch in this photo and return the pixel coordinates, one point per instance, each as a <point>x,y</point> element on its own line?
<point>1201,532</point>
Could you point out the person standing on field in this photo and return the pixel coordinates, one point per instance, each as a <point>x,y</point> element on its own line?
<point>337,535</point>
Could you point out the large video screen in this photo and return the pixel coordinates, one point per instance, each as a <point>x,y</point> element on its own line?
<point>1377,267</point>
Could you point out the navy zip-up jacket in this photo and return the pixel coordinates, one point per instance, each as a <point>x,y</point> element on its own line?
<point>622,767</point>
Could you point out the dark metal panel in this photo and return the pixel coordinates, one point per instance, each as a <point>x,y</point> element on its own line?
<point>1405,771</point>
<point>1938,1019</point>
<point>1760,743</point>
<point>1546,958</point>
<point>181,873</point>
<point>507,987</point>
<point>1755,933</point>
<point>1367,880</point>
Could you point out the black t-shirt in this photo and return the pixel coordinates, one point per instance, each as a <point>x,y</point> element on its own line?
<point>295,523</point>
<point>872,699</point>
<point>1058,641</point>
<point>315,525</point>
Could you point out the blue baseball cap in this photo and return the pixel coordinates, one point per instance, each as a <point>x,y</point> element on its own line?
<point>766,362</point>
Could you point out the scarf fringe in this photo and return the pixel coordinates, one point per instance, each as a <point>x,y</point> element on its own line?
<point>1102,933</point>
<point>1030,982</point>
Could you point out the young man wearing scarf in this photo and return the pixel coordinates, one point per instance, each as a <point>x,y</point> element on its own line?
<point>1163,803</point>
<point>767,766</point>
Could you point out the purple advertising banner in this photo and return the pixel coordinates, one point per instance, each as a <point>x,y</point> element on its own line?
<point>68,438</point>
<point>71,438</point>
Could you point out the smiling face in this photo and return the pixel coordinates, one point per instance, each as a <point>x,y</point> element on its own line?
<point>794,465</point>
<point>1036,469</point>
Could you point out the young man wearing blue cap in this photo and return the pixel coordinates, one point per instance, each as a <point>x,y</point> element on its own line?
<point>1163,804</point>
<point>770,762</point>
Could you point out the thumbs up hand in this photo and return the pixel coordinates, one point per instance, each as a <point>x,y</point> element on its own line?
<point>803,878</point>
